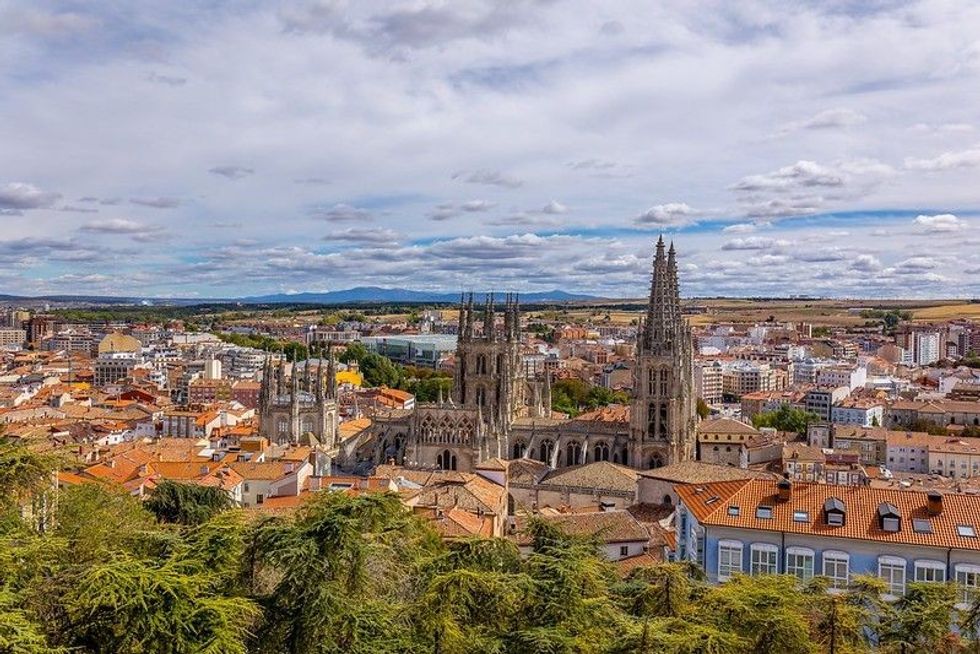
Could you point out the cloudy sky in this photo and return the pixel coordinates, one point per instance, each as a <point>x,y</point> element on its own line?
<point>206,149</point>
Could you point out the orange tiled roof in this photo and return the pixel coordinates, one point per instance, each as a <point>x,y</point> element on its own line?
<point>861,506</point>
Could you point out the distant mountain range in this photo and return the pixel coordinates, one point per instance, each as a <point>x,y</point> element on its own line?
<point>358,295</point>
<point>371,294</point>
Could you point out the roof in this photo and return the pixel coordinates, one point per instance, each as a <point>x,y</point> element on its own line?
<point>117,342</point>
<point>261,470</point>
<point>601,475</point>
<point>698,472</point>
<point>625,566</point>
<point>609,526</point>
<point>709,503</point>
<point>608,413</point>
<point>725,426</point>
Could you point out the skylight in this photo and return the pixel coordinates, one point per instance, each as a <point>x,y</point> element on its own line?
<point>734,510</point>
<point>712,499</point>
<point>764,512</point>
<point>966,531</point>
<point>801,516</point>
<point>921,526</point>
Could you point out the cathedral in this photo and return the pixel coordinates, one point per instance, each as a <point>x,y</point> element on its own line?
<point>499,409</point>
<point>299,407</point>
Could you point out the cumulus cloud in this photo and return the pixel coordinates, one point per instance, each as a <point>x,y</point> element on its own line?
<point>944,222</point>
<point>231,172</point>
<point>554,207</point>
<point>827,119</point>
<point>740,228</point>
<point>946,161</point>
<point>666,215</point>
<point>20,196</point>
<point>754,243</point>
<point>866,263</point>
<point>448,210</point>
<point>156,203</point>
<point>138,231</point>
<point>379,236</point>
<point>489,178</point>
<point>341,213</point>
<point>802,174</point>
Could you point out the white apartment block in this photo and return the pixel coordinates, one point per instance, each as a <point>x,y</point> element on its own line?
<point>861,414</point>
<point>853,377</point>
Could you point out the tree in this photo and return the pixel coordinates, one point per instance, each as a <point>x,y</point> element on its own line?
<point>921,618</point>
<point>334,578</point>
<point>785,418</point>
<point>355,352</point>
<point>703,409</point>
<point>187,504</point>
<point>836,623</point>
<point>380,371</point>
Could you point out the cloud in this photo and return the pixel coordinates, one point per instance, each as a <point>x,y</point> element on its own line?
<point>666,215</point>
<point>866,263</point>
<point>340,213</point>
<point>168,80</point>
<point>827,119</point>
<point>489,178</point>
<point>448,210</point>
<point>231,172</point>
<point>312,181</point>
<point>802,174</point>
<point>754,243</point>
<point>156,203</point>
<point>376,237</point>
<point>19,196</point>
<point>740,228</point>
<point>139,232</point>
<point>945,222</point>
<point>554,208</point>
<point>406,27</point>
<point>36,22</point>
<point>946,161</point>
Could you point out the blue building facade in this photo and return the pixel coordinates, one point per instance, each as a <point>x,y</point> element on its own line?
<point>765,527</point>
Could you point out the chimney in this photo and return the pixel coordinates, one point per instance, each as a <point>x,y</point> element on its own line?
<point>784,490</point>
<point>934,502</point>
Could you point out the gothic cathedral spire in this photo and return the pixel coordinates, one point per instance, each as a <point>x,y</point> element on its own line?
<point>662,423</point>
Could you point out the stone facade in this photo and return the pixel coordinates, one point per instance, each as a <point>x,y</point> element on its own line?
<point>498,410</point>
<point>300,406</point>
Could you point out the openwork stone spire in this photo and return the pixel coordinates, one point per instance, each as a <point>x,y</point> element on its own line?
<point>663,320</point>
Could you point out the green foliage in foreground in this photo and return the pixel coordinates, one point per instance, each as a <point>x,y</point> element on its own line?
<point>362,575</point>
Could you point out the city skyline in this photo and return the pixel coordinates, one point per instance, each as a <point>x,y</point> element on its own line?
<point>247,149</point>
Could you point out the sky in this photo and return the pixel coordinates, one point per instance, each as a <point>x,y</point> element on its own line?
<point>225,149</point>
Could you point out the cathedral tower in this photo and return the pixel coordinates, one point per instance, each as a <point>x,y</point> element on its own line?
<point>488,374</point>
<point>663,418</point>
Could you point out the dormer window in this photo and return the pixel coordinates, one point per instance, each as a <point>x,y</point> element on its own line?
<point>835,514</point>
<point>889,518</point>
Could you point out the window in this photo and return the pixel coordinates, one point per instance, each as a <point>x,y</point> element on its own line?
<point>764,559</point>
<point>966,531</point>
<point>967,583</point>
<point>729,559</point>
<point>799,562</point>
<point>930,571</point>
<point>763,512</point>
<point>892,570</point>
<point>835,519</point>
<point>733,511</point>
<point>835,566</point>
<point>259,498</point>
<point>921,526</point>
<point>624,550</point>
<point>801,516</point>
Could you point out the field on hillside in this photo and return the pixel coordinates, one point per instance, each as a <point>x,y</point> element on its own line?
<point>830,313</point>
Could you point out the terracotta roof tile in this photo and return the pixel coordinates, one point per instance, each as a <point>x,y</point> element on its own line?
<point>861,506</point>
